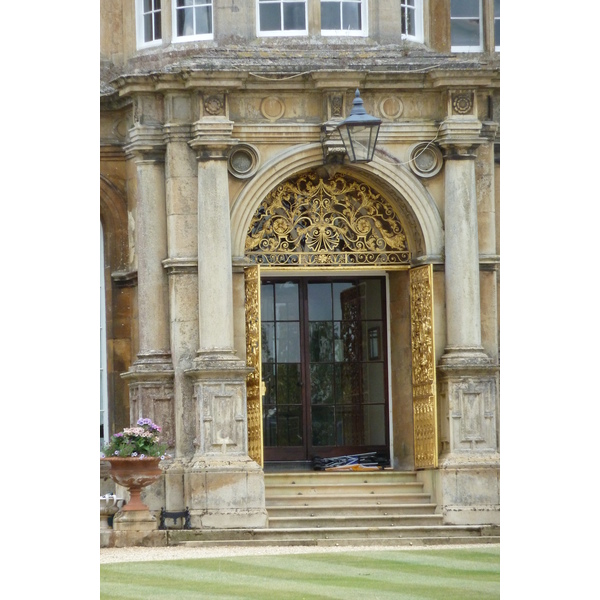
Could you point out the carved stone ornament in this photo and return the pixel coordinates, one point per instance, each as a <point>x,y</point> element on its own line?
<point>213,105</point>
<point>272,108</point>
<point>336,103</point>
<point>462,103</point>
<point>391,107</point>
<point>243,161</point>
<point>335,222</point>
<point>426,159</point>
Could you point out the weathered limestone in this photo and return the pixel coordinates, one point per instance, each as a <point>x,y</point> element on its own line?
<point>223,486</point>
<point>151,375</point>
<point>467,382</point>
<point>181,185</point>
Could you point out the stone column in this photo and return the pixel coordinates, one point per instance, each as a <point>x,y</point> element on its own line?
<point>151,375</point>
<point>467,376</point>
<point>224,487</point>
<point>181,176</point>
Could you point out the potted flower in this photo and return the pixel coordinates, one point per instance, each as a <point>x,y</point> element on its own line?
<point>134,455</point>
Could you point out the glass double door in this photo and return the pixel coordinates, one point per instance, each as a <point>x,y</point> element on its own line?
<point>324,366</point>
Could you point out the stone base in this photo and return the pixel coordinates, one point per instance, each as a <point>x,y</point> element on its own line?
<point>125,539</point>
<point>226,494</point>
<point>470,491</point>
<point>134,520</point>
<point>224,519</point>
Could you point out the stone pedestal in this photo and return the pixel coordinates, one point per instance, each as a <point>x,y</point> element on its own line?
<point>135,520</point>
<point>224,488</point>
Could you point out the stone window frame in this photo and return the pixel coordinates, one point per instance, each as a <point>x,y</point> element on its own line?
<point>192,4</point>
<point>364,12</point>
<point>416,6</point>
<point>281,32</point>
<point>141,12</point>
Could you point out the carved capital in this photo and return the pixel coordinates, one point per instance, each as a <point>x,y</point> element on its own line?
<point>146,143</point>
<point>212,138</point>
<point>460,137</point>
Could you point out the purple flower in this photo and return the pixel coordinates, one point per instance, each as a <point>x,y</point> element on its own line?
<point>117,453</point>
<point>134,454</point>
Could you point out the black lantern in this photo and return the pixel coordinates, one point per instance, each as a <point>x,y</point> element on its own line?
<point>359,132</point>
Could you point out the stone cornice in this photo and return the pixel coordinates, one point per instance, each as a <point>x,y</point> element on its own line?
<point>413,77</point>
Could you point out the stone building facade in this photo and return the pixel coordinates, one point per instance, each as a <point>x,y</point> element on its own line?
<point>247,261</point>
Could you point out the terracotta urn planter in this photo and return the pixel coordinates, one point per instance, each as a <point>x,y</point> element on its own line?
<point>134,473</point>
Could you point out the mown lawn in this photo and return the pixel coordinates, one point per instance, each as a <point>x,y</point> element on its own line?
<point>440,574</point>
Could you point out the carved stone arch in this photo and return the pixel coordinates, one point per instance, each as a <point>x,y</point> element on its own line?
<point>411,201</point>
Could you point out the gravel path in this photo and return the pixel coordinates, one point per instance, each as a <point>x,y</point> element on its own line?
<point>136,554</point>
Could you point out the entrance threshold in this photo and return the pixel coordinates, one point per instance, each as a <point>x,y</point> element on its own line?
<point>287,466</point>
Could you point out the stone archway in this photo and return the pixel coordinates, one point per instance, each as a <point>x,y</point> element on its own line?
<point>336,222</point>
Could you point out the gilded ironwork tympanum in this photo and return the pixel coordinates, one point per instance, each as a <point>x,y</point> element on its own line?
<point>311,221</point>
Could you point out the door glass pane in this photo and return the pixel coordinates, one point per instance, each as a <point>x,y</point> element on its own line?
<point>289,384</point>
<point>267,299</point>
<point>338,289</point>
<point>321,341</point>
<point>323,426</point>
<point>267,342</point>
<point>287,342</point>
<point>319,301</point>
<point>321,384</point>
<point>286,301</point>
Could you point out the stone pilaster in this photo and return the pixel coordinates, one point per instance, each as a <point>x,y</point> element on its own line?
<point>223,486</point>
<point>151,375</point>
<point>467,376</point>
<point>181,183</point>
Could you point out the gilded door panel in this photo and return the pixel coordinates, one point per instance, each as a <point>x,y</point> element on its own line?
<point>254,388</point>
<point>423,367</point>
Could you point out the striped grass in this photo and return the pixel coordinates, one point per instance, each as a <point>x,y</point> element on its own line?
<point>444,574</point>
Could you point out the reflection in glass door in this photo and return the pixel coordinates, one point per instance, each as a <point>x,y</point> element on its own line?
<point>324,366</point>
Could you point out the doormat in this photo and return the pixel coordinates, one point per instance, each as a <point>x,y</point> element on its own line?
<point>369,461</point>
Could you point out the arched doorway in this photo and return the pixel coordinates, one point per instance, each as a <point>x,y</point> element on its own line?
<point>318,319</point>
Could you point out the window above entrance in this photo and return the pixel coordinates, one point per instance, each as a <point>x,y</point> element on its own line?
<point>326,223</point>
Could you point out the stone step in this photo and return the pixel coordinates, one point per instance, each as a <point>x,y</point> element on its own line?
<point>325,522</point>
<point>342,489</point>
<point>356,510</point>
<point>439,540</point>
<point>309,477</point>
<point>344,499</point>
<point>360,535</point>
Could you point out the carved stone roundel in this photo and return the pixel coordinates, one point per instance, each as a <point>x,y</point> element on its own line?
<point>462,104</point>
<point>426,159</point>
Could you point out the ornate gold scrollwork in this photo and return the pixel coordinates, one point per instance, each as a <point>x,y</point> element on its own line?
<point>339,222</point>
<point>423,367</point>
<point>254,387</point>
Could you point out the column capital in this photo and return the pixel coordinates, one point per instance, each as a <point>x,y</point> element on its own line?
<point>146,143</point>
<point>459,136</point>
<point>212,138</point>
